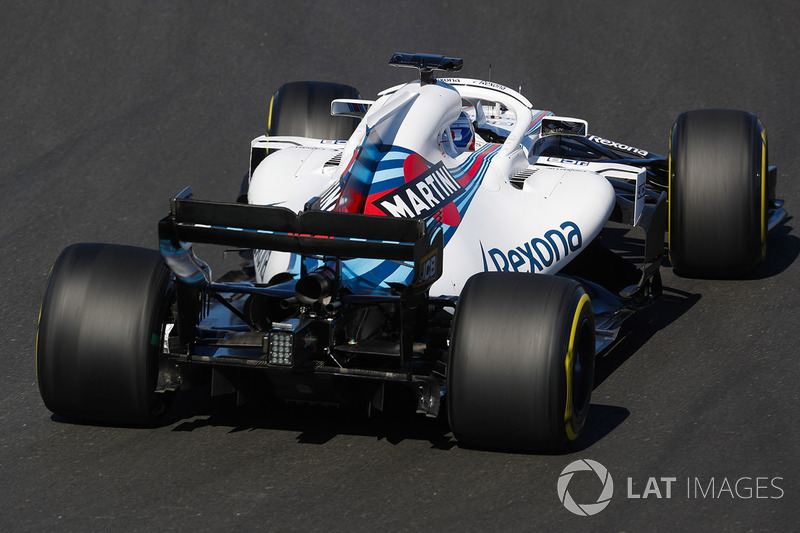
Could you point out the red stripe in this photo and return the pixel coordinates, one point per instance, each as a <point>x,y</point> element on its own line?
<point>537,118</point>
<point>466,178</point>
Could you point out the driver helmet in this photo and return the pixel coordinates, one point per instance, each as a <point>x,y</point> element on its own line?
<point>462,133</point>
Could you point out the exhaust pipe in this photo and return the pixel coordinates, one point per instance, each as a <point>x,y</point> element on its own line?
<point>315,286</point>
<point>288,303</point>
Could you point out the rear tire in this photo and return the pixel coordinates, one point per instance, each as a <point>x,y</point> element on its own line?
<point>521,364</point>
<point>100,333</point>
<point>717,209</point>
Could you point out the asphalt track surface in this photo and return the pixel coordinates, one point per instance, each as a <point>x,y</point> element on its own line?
<point>110,108</point>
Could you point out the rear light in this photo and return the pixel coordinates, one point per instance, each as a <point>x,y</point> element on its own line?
<point>296,344</point>
<point>281,345</point>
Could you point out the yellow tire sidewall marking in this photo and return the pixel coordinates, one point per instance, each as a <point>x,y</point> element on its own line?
<point>269,120</point>
<point>569,364</point>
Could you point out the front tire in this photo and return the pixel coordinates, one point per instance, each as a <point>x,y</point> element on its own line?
<point>717,204</point>
<point>521,363</point>
<point>100,333</point>
<point>303,109</point>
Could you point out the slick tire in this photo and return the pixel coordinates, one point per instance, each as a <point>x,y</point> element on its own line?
<point>717,194</point>
<point>100,332</point>
<point>521,362</point>
<point>303,109</point>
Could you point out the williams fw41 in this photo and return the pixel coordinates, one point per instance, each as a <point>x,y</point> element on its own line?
<point>446,243</point>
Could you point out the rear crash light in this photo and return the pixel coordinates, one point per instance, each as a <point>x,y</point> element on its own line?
<point>296,344</point>
<point>281,347</point>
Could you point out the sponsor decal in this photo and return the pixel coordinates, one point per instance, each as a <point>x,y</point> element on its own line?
<point>538,253</point>
<point>567,161</point>
<point>427,269</point>
<point>492,84</point>
<point>619,146</point>
<point>484,83</point>
<point>422,196</point>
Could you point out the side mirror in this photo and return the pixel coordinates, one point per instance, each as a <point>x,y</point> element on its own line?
<point>564,126</point>
<point>343,107</point>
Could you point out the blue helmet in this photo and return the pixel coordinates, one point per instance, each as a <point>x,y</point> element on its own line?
<point>462,133</point>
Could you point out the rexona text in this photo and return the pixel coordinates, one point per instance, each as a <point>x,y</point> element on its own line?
<point>538,253</point>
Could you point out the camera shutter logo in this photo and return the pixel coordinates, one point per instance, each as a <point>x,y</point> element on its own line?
<point>585,509</point>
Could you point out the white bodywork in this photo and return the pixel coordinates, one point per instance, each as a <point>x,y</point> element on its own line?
<point>522,215</point>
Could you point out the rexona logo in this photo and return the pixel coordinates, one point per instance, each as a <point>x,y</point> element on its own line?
<point>619,146</point>
<point>422,196</point>
<point>538,253</point>
<point>591,508</point>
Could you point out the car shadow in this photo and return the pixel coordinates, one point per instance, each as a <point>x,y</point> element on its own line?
<point>313,424</point>
<point>782,251</point>
<point>642,326</point>
<point>602,421</point>
<point>318,425</point>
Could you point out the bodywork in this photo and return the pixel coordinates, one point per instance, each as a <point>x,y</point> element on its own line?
<point>355,250</point>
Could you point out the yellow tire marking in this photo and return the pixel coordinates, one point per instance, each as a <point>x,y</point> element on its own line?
<point>269,120</point>
<point>569,363</point>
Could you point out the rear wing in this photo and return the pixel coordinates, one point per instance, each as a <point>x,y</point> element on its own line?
<point>317,233</point>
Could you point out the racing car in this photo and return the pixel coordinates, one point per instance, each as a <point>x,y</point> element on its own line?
<point>446,243</point>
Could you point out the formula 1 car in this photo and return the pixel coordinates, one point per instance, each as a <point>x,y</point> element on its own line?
<point>445,243</point>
